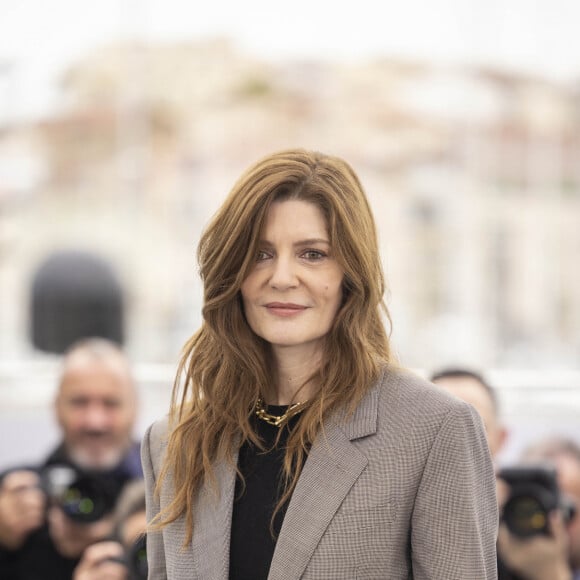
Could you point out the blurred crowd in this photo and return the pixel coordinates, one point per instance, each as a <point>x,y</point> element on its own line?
<point>80,513</point>
<point>539,533</point>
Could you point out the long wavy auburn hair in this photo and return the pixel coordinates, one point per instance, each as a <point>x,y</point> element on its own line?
<point>225,367</point>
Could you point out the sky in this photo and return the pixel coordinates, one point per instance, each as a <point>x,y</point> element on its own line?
<point>38,39</point>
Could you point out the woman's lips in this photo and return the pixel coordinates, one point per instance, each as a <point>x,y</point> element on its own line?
<point>285,308</point>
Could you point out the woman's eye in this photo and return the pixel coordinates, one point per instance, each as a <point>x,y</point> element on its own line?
<point>313,255</point>
<point>261,256</point>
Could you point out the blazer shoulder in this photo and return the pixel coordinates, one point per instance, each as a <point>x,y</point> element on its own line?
<point>414,414</point>
<point>405,392</point>
<point>155,442</point>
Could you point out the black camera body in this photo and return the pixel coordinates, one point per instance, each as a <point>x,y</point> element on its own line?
<point>534,494</point>
<point>137,559</point>
<point>84,497</point>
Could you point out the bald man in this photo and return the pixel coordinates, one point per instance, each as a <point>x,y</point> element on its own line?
<point>95,407</point>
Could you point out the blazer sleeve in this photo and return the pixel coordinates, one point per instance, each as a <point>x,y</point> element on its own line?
<point>151,453</point>
<point>455,516</point>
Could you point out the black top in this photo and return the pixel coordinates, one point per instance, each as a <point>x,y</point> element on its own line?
<point>252,543</point>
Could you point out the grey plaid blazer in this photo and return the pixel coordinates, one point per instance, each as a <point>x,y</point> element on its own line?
<point>404,489</point>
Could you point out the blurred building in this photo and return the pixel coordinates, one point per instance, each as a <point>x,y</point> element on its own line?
<point>474,176</point>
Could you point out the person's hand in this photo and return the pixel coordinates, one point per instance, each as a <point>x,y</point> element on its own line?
<point>502,492</point>
<point>98,563</point>
<point>540,557</point>
<point>71,538</point>
<point>22,505</point>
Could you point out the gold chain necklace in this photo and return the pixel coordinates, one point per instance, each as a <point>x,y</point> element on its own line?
<point>277,420</point>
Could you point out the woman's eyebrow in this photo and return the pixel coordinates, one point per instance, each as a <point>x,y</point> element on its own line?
<point>299,242</point>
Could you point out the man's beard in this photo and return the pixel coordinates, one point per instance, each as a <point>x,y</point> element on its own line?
<point>103,459</point>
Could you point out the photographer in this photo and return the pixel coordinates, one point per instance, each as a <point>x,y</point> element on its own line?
<point>533,542</point>
<point>95,408</point>
<point>539,557</point>
<point>564,456</point>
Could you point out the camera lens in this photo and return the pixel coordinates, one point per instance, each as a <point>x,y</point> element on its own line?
<point>525,515</point>
<point>83,501</point>
<point>533,495</point>
<point>84,497</point>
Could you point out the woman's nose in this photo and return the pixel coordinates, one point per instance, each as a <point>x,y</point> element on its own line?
<point>284,273</point>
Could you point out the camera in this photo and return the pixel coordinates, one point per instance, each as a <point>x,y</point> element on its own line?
<point>534,493</point>
<point>137,559</point>
<point>84,497</point>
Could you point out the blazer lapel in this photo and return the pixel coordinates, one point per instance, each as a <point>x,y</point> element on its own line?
<point>212,526</point>
<point>332,467</point>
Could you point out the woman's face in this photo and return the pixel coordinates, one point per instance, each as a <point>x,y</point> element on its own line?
<point>294,291</point>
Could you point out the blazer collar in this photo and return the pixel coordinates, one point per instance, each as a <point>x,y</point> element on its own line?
<point>363,421</point>
<point>213,522</point>
<point>333,466</point>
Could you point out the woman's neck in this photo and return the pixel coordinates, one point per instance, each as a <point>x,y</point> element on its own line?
<point>293,369</point>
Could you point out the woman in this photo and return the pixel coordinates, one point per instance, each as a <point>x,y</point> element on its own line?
<point>295,447</point>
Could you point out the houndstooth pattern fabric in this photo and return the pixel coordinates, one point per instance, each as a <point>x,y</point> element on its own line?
<point>404,489</point>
